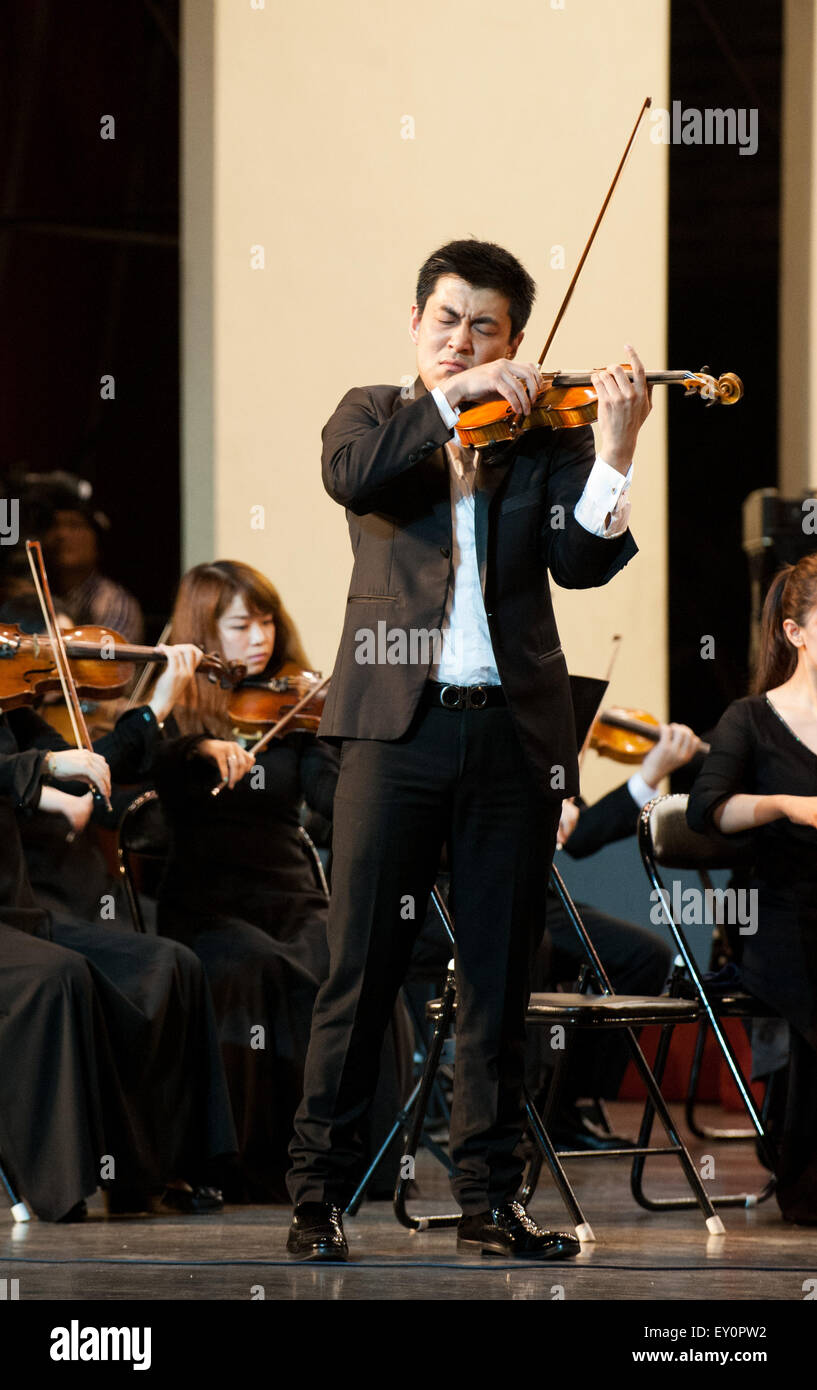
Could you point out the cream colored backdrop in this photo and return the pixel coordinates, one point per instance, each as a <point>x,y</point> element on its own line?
<point>294,146</point>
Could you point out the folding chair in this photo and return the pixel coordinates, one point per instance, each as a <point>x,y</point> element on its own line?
<point>569,1011</point>
<point>666,840</point>
<point>143,833</point>
<point>440,1053</point>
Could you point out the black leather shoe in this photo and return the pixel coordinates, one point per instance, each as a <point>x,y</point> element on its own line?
<point>508,1230</point>
<point>316,1232</point>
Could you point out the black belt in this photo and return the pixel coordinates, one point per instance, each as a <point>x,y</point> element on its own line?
<point>463,696</point>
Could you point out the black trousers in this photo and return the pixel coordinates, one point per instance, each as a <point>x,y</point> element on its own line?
<point>457,777</point>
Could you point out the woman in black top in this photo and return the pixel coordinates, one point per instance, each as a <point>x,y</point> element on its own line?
<point>239,887</point>
<point>761,776</point>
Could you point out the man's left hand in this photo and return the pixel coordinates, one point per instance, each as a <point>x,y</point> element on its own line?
<point>623,407</point>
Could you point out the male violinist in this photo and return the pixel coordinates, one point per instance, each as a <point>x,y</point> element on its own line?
<point>470,742</point>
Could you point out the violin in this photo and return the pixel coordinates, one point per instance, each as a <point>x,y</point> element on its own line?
<point>100,660</point>
<point>257,704</point>
<point>281,704</point>
<point>568,400</point>
<point>627,735</point>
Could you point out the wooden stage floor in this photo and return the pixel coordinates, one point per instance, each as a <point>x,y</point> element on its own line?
<point>637,1255</point>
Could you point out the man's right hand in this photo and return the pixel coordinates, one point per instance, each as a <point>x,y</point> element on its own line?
<point>567,822</point>
<point>518,382</point>
<point>676,746</point>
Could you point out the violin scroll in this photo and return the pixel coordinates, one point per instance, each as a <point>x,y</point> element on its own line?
<point>726,389</point>
<point>226,674</point>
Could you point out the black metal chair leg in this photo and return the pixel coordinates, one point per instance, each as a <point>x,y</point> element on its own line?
<point>19,1211</point>
<point>732,1199</point>
<point>694,1077</point>
<point>583,1229</point>
<point>415,1132</point>
<point>400,1122</point>
<point>701,1198</point>
<point>702,1131</point>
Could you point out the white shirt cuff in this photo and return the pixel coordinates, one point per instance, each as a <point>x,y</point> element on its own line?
<point>604,506</point>
<point>639,790</point>
<point>450,413</point>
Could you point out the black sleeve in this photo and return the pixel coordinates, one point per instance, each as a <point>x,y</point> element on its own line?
<point>177,773</point>
<point>728,769</point>
<point>576,558</point>
<point>612,818</point>
<point>32,731</point>
<point>128,749</point>
<point>319,767</point>
<point>361,455</point>
<point>21,776</point>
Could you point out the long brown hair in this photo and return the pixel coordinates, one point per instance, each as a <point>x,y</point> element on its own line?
<point>793,594</point>
<point>204,594</point>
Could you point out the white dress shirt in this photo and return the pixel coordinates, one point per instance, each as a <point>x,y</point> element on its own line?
<point>640,791</point>
<point>467,657</point>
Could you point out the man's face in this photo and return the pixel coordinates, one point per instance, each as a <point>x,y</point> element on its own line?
<point>71,541</point>
<point>460,327</point>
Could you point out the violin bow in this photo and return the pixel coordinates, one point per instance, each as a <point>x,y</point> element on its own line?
<point>592,237</point>
<point>43,589</point>
<point>146,674</point>
<point>283,722</point>
<point>608,678</point>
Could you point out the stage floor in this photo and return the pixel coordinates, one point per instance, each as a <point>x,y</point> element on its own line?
<point>240,1253</point>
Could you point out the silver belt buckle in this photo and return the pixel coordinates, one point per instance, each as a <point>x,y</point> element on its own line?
<point>474,692</point>
<point>457,702</point>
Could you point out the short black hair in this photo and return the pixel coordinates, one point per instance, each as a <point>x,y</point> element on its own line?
<point>486,266</point>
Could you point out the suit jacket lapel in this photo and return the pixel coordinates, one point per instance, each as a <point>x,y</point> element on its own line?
<point>487,483</point>
<point>492,469</point>
<point>434,470</point>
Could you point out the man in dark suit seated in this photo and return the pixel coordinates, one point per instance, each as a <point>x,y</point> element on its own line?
<point>450,695</point>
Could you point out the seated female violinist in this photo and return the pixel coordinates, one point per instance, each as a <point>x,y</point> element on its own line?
<point>239,887</point>
<point>761,776</point>
<point>109,1062</point>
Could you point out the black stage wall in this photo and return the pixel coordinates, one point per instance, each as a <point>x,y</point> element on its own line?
<point>89,266</point>
<point>724,211</point>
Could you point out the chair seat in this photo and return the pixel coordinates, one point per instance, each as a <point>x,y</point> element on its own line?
<point>739,1005</point>
<point>600,1011</point>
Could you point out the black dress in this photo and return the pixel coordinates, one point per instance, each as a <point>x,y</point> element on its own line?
<point>108,1046</point>
<point>755,751</point>
<point>241,891</point>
